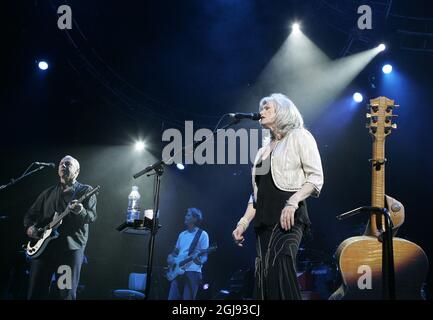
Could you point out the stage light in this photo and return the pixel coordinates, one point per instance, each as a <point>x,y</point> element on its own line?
<point>296,27</point>
<point>139,146</point>
<point>206,286</point>
<point>43,65</point>
<point>180,166</point>
<point>357,97</point>
<point>387,68</point>
<point>381,47</point>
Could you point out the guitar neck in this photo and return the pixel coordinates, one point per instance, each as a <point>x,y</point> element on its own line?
<point>377,182</point>
<point>185,261</point>
<point>67,210</point>
<point>378,175</point>
<point>190,258</point>
<point>378,163</point>
<point>55,221</point>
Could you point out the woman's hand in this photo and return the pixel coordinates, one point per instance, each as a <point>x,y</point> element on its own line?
<point>287,218</point>
<point>238,235</point>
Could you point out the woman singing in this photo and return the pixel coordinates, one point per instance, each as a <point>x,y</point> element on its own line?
<point>286,171</point>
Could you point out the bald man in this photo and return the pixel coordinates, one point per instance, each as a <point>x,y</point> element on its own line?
<point>63,256</point>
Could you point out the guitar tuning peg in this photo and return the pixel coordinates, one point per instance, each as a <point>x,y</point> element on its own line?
<point>394,126</point>
<point>368,115</point>
<point>389,118</point>
<point>373,107</point>
<point>390,107</point>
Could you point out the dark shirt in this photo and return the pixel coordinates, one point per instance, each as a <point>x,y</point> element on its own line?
<point>74,230</point>
<point>271,201</point>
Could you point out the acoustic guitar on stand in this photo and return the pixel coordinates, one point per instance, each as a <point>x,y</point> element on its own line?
<point>360,257</point>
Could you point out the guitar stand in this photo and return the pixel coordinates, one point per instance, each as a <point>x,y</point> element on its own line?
<point>388,272</point>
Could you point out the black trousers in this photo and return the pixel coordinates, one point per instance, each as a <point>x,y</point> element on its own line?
<point>63,267</point>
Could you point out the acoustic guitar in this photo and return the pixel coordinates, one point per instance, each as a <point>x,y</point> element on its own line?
<point>360,258</point>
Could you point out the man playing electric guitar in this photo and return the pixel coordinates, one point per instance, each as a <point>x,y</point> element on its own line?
<point>63,255</point>
<point>190,242</point>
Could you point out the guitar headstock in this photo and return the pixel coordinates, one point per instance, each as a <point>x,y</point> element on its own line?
<point>381,117</point>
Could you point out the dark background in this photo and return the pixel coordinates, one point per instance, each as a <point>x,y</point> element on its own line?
<point>130,69</point>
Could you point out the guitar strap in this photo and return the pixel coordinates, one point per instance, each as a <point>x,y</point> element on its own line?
<point>75,192</point>
<point>77,186</point>
<point>194,241</point>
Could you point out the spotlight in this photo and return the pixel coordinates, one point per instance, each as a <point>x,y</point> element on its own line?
<point>381,47</point>
<point>206,286</point>
<point>296,27</point>
<point>139,146</point>
<point>357,97</point>
<point>180,166</point>
<point>43,65</point>
<point>387,68</point>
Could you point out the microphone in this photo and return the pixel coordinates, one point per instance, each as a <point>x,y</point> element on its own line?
<point>156,166</point>
<point>45,164</point>
<point>241,115</point>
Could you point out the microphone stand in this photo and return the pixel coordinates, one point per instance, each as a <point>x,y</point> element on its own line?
<point>158,171</point>
<point>24,175</point>
<point>388,272</point>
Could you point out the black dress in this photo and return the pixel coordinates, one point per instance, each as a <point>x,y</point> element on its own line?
<point>275,267</point>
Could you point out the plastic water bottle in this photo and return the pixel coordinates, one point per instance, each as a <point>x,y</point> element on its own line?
<point>133,212</point>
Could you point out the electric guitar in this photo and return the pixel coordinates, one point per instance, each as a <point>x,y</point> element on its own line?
<point>181,262</point>
<point>360,257</point>
<point>35,247</point>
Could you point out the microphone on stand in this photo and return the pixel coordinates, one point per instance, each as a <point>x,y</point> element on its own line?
<point>45,164</point>
<point>241,115</point>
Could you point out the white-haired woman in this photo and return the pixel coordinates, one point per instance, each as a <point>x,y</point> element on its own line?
<point>286,171</point>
